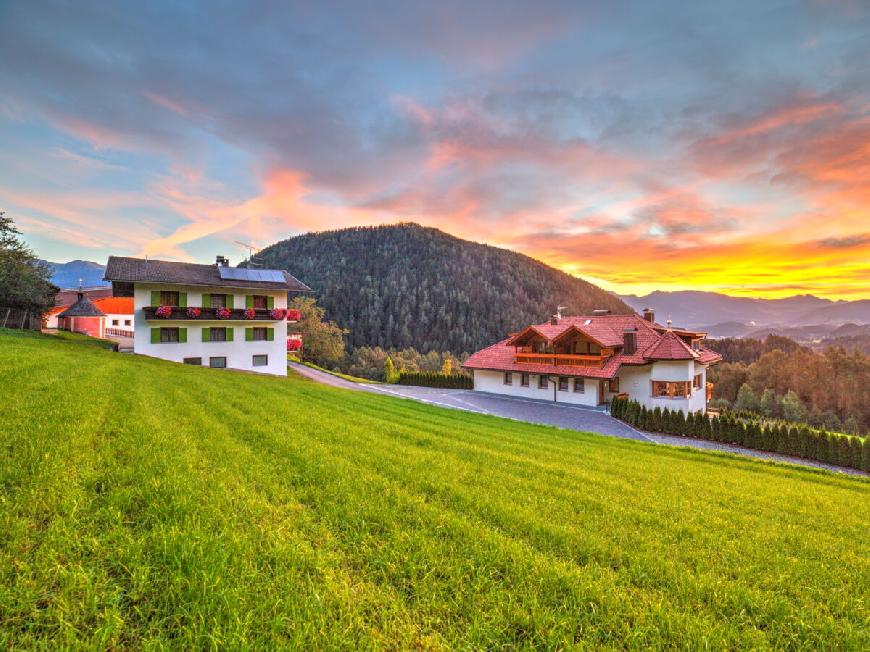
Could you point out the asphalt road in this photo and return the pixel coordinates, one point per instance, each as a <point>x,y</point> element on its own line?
<point>546,413</point>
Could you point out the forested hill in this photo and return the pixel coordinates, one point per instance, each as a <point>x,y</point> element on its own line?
<point>408,286</point>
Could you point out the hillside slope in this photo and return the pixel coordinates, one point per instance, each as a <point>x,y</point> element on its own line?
<point>406,285</point>
<point>77,272</point>
<point>155,505</point>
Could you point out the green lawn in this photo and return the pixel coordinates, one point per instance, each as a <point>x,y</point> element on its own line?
<point>145,503</point>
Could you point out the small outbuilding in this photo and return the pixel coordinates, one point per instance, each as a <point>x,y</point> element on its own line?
<point>83,317</point>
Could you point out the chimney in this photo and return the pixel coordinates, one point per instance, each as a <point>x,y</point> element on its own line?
<point>629,341</point>
<point>554,320</point>
<point>601,311</point>
<point>221,261</point>
<point>649,315</point>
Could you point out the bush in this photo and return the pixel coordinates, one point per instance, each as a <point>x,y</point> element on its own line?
<point>747,429</point>
<point>435,379</point>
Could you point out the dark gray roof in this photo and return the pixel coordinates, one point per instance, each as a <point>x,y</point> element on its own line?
<point>140,270</point>
<point>82,308</point>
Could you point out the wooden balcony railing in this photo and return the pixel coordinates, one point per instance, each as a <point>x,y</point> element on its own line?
<point>208,314</point>
<point>558,359</point>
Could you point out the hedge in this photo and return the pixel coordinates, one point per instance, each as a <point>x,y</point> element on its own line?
<point>797,440</point>
<point>435,379</point>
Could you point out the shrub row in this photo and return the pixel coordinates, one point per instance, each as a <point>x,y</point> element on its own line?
<point>435,379</point>
<point>796,440</point>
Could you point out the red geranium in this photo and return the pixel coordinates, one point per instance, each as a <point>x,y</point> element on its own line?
<point>294,345</point>
<point>164,312</point>
<point>250,313</point>
<point>294,315</point>
<point>222,313</point>
<point>276,313</point>
<point>194,313</point>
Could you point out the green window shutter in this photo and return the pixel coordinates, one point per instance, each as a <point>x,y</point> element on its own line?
<point>249,301</point>
<point>249,335</point>
<point>155,299</point>
<point>155,336</point>
<point>182,299</point>
<point>270,302</point>
<point>206,300</point>
<point>270,334</point>
<point>206,335</point>
<point>182,336</point>
<point>230,332</point>
<point>230,301</point>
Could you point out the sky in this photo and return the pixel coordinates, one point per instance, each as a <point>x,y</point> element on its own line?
<point>719,146</point>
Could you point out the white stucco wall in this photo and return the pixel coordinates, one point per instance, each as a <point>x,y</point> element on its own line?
<point>239,353</point>
<point>493,382</point>
<point>633,380</point>
<point>121,319</point>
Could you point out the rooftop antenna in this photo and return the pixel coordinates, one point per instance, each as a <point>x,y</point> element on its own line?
<point>252,251</point>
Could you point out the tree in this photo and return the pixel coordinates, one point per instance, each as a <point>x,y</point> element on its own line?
<point>322,341</point>
<point>24,279</point>
<point>770,404</point>
<point>447,366</point>
<point>390,374</point>
<point>793,408</point>
<point>746,399</point>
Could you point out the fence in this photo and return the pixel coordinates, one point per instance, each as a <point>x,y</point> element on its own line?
<point>119,332</point>
<point>20,319</point>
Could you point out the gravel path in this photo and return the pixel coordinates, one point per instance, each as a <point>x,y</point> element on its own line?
<point>546,413</point>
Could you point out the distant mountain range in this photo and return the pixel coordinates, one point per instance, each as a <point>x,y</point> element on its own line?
<point>804,316</point>
<point>77,272</point>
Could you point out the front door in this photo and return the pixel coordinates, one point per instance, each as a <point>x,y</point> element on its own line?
<point>601,391</point>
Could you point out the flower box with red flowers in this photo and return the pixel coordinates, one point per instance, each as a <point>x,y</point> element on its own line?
<point>194,313</point>
<point>250,313</point>
<point>294,315</point>
<point>222,313</point>
<point>164,312</point>
<point>276,313</point>
<point>294,345</point>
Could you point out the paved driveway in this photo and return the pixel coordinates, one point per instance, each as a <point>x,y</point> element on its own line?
<point>547,413</point>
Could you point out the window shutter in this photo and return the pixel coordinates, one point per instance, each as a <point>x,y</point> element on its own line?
<point>182,335</point>
<point>206,300</point>
<point>155,299</point>
<point>270,334</point>
<point>182,299</point>
<point>230,332</point>
<point>206,335</point>
<point>230,301</point>
<point>270,302</point>
<point>155,336</point>
<point>249,334</point>
<point>249,301</point>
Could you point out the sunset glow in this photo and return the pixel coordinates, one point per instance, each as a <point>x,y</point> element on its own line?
<point>722,148</point>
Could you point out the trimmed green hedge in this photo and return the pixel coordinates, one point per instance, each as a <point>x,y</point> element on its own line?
<point>435,379</point>
<point>792,439</point>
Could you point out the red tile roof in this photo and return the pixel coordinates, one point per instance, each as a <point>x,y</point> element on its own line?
<point>654,342</point>
<point>115,305</point>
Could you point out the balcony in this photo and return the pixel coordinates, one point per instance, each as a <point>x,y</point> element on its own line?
<point>562,359</point>
<point>209,314</point>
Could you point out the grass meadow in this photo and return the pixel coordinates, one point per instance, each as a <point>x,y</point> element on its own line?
<point>149,504</point>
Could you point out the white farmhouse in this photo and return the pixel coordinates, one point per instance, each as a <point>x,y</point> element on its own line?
<point>589,360</point>
<point>211,315</point>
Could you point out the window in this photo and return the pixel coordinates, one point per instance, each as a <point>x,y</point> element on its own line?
<point>563,384</point>
<point>261,360</point>
<point>168,298</point>
<point>196,361</point>
<point>670,389</point>
<point>614,385</point>
<point>217,335</point>
<point>260,302</point>
<point>126,322</point>
<point>542,382</point>
<point>168,335</point>
<point>114,322</point>
<point>260,334</point>
<point>696,383</point>
<point>579,386</point>
<point>217,363</point>
<point>524,380</point>
<point>218,301</point>
<point>696,345</point>
<point>508,378</point>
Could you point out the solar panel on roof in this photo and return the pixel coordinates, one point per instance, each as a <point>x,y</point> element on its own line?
<point>255,275</point>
